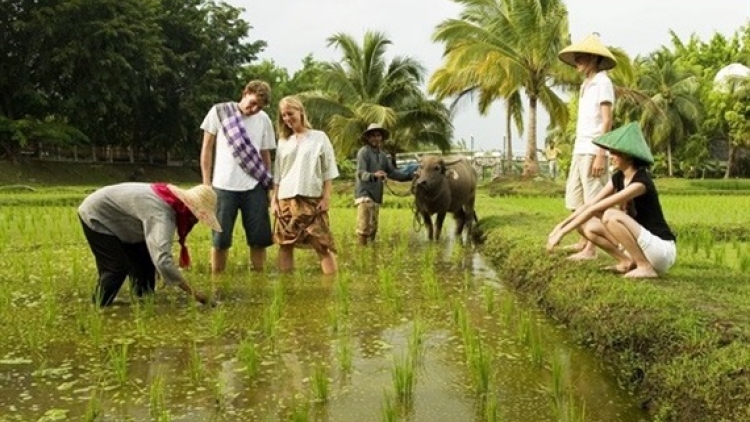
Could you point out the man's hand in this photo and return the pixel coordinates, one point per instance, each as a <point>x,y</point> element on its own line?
<point>380,174</point>
<point>203,299</point>
<point>597,166</point>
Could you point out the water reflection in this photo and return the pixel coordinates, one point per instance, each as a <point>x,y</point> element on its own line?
<point>178,370</point>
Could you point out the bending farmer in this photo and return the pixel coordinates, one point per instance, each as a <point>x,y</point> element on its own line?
<point>130,228</point>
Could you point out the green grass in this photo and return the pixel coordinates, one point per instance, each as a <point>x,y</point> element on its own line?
<point>679,342</point>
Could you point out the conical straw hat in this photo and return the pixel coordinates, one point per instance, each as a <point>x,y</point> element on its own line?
<point>201,200</point>
<point>628,140</point>
<point>589,45</point>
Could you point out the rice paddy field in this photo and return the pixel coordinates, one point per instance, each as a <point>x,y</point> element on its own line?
<point>406,331</point>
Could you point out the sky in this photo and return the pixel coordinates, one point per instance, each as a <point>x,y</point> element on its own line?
<point>296,28</point>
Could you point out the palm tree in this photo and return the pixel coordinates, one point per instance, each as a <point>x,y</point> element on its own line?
<point>363,88</point>
<point>674,111</point>
<point>455,79</point>
<point>505,47</point>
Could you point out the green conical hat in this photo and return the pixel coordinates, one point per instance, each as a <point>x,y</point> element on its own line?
<point>628,140</point>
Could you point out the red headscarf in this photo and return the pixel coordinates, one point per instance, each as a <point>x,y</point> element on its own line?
<point>183,216</point>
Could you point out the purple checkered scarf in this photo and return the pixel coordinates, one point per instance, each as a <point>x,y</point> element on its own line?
<point>243,150</point>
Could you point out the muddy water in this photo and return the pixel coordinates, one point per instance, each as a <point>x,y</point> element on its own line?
<point>190,364</point>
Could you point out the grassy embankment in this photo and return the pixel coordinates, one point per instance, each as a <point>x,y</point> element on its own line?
<point>680,342</point>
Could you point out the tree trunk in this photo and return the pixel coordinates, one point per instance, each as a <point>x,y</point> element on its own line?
<point>531,165</point>
<point>508,139</point>
<point>669,158</point>
<point>93,153</point>
<point>75,152</point>
<point>730,160</point>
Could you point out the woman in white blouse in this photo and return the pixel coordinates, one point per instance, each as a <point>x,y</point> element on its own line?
<point>303,172</point>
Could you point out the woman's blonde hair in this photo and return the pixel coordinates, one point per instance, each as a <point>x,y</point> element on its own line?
<point>294,102</point>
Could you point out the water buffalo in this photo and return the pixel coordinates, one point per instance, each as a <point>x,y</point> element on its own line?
<point>445,185</point>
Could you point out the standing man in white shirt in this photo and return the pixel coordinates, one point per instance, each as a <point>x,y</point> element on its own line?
<point>589,171</point>
<point>236,161</point>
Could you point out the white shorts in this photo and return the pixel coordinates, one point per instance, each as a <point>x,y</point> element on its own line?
<point>659,252</point>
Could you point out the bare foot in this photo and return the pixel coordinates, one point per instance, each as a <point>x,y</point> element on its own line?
<point>582,256</point>
<point>641,273</point>
<point>620,268</point>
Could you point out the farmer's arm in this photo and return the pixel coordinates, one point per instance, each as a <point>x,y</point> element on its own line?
<point>403,175</point>
<point>363,170</point>
<point>159,232</point>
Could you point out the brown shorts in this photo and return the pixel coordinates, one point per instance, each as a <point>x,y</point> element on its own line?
<point>299,223</point>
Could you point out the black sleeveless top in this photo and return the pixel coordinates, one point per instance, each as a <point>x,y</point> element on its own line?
<point>646,208</point>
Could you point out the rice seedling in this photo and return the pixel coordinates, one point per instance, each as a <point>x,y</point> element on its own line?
<point>118,361</point>
<point>157,401</point>
<point>221,394</point>
<point>488,299</point>
<point>507,309</point>
<point>218,321</point>
<point>345,354</point>
<point>196,366</point>
<point>320,383</point>
<point>270,321</point>
<point>93,406</point>
<point>139,318</point>
<point>557,389</point>
<point>388,409</point>
<point>490,411</point>
<point>536,349</point>
<point>342,293</point>
<point>300,412</point>
<point>387,283</point>
<point>480,366</point>
<point>33,338</point>
<point>416,341</point>
<point>335,319</point>
<point>523,328</point>
<point>249,356</point>
<point>573,411</point>
<point>404,379</point>
<point>91,324</point>
<point>430,286</point>
<point>51,306</point>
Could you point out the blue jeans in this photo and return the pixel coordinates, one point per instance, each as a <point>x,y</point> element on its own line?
<point>255,217</point>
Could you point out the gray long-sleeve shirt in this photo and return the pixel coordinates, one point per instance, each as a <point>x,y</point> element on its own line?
<point>134,213</point>
<point>370,160</point>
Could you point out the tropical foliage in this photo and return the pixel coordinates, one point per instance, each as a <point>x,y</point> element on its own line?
<point>501,49</point>
<point>365,88</point>
<point>89,76</point>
